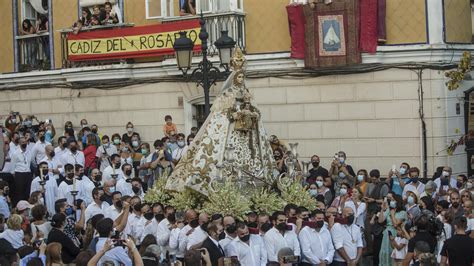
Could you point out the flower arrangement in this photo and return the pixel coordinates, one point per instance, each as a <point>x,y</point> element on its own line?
<point>227,199</point>
<point>264,201</point>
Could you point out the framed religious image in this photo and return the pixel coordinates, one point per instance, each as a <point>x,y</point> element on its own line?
<point>332,40</point>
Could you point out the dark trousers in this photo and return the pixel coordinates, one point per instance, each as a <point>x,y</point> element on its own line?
<point>22,187</point>
<point>377,244</point>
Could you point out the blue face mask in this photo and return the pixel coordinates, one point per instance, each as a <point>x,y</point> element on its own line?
<point>410,200</point>
<point>313,192</point>
<point>69,211</point>
<point>393,204</point>
<point>111,189</point>
<point>403,171</point>
<point>360,178</point>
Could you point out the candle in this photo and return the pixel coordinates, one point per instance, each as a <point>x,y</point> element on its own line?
<point>41,174</point>
<point>113,169</point>
<point>73,184</point>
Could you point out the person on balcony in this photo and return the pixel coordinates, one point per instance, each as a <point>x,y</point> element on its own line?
<point>110,17</point>
<point>27,27</point>
<point>188,7</point>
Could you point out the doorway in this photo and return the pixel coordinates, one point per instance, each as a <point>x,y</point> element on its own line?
<point>469,129</point>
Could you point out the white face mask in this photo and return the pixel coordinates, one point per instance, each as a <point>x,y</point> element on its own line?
<point>343,191</point>
<point>41,201</point>
<point>468,185</point>
<point>181,143</point>
<point>445,173</point>
<point>342,160</point>
<point>319,183</point>
<point>342,175</point>
<point>129,129</point>
<point>135,143</point>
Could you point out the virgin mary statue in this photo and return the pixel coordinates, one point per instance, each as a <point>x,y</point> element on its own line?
<point>231,144</point>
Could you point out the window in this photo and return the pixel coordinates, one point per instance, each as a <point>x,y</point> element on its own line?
<point>28,12</point>
<point>159,8</point>
<point>217,6</point>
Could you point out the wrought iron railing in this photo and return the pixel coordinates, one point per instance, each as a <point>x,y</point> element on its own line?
<point>33,52</point>
<point>234,22</point>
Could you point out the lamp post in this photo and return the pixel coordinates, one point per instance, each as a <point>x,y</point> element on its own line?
<point>205,75</point>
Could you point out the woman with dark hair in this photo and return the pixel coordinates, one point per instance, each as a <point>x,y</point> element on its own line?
<point>40,227</point>
<point>27,27</point>
<point>69,250</point>
<point>42,24</point>
<point>147,241</point>
<point>86,17</point>
<point>426,203</point>
<point>394,215</point>
<point>90,153</point>
<point>188,8</point>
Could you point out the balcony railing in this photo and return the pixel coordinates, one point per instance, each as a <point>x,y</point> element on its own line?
<point>234,22</point>
<point>33,52</point>
<point>64,49</point>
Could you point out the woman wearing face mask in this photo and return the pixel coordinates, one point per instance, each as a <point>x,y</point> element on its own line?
<point>69,250</point>
<point>393,214</point>
<point>359,207</point>
<point>117,141</point>
<point>411,206</point>
<point>90,153</point>
<point>361,180</point>
<point>344,194</point>
<point>280,161</point>
<point>136,154</point>
<point>127,137</point>
<point>323,190</point>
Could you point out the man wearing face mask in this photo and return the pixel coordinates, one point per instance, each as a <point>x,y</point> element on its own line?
<point>198,234</point>
<point>20,163</point>
<point>445,182</point>
<point>115,209</point>
<point>104,152</point>
<point>316,243</point>
<point>137,221</point>
<point>398,179</point>
<point>347,240</point>
<point>87,184</point>
<point>50,188</point>
<point>113,169</point>
<point>461,181</point>
<point>191,221</point>
<point>415,185</point>
<point>216,252</point>
<point>280,236</point>
<point>67,185</point>
<point>340,171</point>
<point>248,248</point>
<point>124,184</point>
<point>180,149</point>
<point>137,188</point>
<point>39,151</point>
<point>164,229</point>
<point>302,215</point>
<point>74,155</point>
<point>98,205</point>
<point>53,162</point>
<point>229,234</point>
<point>61,150</point>
<point>317,170</point>
<point>61,206</point>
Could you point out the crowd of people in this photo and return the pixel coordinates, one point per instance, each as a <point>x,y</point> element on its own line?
<point>77,197</point>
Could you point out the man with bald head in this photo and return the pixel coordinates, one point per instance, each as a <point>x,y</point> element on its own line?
<point>191,219</point>
<point>54,164</point>
<point>347,240</point>
<point>199,234</point>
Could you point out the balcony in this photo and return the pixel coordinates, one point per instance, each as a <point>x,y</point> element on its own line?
<point>234,22</point>
<point>33,52</point>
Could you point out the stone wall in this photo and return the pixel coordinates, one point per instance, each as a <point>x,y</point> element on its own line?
<point>373,117</point>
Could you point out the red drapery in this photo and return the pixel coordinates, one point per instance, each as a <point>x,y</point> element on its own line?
<point>296,21</point>
<point>368,26</point>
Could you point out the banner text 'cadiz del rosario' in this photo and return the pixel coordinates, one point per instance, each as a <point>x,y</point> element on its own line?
<point>142,41</point>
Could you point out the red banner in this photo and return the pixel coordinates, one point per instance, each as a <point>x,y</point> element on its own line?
<point>133,42</point>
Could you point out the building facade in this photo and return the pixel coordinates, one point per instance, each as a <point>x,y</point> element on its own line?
<point>393,107</point>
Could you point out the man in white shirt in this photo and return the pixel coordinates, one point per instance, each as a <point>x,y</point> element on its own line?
<point>113,169</point>
<point>137,188</point>
<point>39,152</point>
<point>61,150</point>
<point>136,223</point>
<point>230,230</point>
<point>445,182</point>
<point>48,185</point>
<point>105,151</point>
<point>20,162</point>
<point>54,163</point>
<point>415,185</point>
<point>316,243</point>
<point>124,184</point>
<point>118,255</point>
<point>164,230</point>
<point>198,235</point>
<point>114,210</point>
<point>87,185</point>
<point>98,206</point>
<point>192,220</point>
<point>73,156</point>
<point>347,239</point>
<point>249,249</point>
<point>174,235</point>
<point>69,184</point>
<point>280,236</point>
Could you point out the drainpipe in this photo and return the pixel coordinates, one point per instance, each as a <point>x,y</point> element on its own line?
<point>423,138</point>
<point>15,33</point>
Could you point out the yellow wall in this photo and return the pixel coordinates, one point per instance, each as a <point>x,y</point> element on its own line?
<point>64,15</point>
<point>406,21</point>
<point>266,25</point>
<point>6,31</point>
<point>457,16</point>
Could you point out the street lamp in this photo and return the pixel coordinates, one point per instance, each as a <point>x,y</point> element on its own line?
<point>205,74</point>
